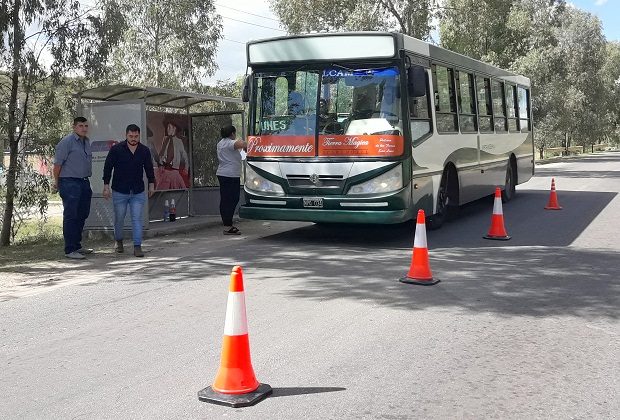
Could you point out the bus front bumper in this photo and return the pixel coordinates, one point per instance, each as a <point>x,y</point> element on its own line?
<point>325,216</point>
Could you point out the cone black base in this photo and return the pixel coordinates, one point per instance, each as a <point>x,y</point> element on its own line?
<point>409,280</point>
<point>497,238</point>
<point>235,400</point>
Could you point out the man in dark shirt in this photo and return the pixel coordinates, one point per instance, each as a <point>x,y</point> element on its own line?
<point>129,160</point>
<point>72,168</point>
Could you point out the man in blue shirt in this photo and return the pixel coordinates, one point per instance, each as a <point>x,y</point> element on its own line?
<point>129,160</point>
<point>72,168</point>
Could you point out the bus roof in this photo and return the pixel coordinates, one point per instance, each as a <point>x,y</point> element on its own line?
<point>358,46</point>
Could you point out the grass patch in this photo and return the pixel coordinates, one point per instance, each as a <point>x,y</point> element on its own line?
<point>36,240</point>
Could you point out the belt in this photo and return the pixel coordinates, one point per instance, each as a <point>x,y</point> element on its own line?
<point>86,178</point>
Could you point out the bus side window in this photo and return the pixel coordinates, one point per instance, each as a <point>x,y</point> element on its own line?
<point>419,115</point>
<point>445,100</point>
<point>499,106</point>
<point>467,106</point>
<point>511,108</point>
<point>524,110</point>
<point>485,110</point>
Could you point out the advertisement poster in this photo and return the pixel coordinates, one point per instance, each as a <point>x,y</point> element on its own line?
<point>107,124</point>
<point>168,139</point>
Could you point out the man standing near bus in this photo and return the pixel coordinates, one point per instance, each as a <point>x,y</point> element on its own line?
<point>129,160</point>
<point>72,168</point>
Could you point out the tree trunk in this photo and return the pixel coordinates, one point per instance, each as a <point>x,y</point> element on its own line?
<point>18,39</point>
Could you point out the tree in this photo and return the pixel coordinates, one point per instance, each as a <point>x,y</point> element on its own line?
<point>76,39</point>
<point>407,16</point>
<point>476,28</point>
<point>168,43</point>
<point>498,31</point>
<point>611,75</point>
<point>564,63</point>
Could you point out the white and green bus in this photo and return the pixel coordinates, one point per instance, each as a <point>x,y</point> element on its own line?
<point>369,127</point>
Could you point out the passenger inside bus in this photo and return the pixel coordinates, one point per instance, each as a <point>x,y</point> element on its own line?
<point>302,123</point>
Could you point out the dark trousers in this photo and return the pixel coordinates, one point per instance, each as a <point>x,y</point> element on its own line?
<point>229,198</point>
<point>76,195</point>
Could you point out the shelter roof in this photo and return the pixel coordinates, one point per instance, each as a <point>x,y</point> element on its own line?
<point>152,96</point>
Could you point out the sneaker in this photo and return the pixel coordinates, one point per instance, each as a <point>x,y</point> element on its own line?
<point>75,255</point>
<point>232,231</point>
<point>85,251</point>
<point>119,247</point>
<point>137,251</point>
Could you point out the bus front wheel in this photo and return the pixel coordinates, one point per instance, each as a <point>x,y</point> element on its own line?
<point>510,184</point>
<point>447,200</point>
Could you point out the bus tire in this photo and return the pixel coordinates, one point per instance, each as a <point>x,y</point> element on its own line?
<point>511,182</point>
<point>447,199</point>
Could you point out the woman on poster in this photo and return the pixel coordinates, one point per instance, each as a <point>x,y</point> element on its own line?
<point>172,160</point>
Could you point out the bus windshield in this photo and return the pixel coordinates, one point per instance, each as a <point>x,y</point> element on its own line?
<point>327,112</point>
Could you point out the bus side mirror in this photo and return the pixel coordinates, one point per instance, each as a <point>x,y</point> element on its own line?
<point>416,81</point>
<point>245,94</point>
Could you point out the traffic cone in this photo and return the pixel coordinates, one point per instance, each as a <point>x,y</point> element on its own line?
<point>235,384</point>
<point>420,269</point>
<point>497,230</point>
<point>553,198</point>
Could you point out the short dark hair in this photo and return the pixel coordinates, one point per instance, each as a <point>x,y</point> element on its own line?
<point>228,131</point>
<point>79,120</point>
<point>132,127</point>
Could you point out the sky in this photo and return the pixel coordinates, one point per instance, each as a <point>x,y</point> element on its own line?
<point>606,10</point>
<point>262,23</point>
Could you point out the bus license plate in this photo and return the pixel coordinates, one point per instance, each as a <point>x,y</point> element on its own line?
<point>314,202</point>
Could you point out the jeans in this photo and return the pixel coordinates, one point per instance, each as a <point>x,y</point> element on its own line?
<point>229,198</point>
<point>76,195</point>
<point>136,205</point>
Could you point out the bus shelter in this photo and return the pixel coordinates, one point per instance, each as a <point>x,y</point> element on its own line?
<point>182,139</point>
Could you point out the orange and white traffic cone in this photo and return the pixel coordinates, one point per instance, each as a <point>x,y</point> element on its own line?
<point>553,198</point>
<point>420,269</point>
<point>497,230</point>
<point>235,384</point>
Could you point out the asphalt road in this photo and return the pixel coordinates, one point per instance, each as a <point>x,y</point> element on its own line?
<point>527,328</point>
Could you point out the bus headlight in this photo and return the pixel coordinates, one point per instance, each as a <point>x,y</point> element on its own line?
<point>255,182</point>
<point>390,181</point>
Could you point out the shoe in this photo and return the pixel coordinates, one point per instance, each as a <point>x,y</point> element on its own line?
<point>85,251</point>
<point>75,255</point>
<point>119,247</point>
<point>137,251</point>
<point>232,231</point>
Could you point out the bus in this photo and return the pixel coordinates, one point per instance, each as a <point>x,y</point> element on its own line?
<point>369,127</point>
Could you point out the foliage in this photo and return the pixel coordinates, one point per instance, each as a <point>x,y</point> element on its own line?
<point>407,16</point>
<point>31,197</point>
<point>168,43</point>
<point>41,43</point>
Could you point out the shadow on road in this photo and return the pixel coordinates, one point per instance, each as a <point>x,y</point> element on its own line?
<point>534,274</point>
<point>525,218</point>
<point>289,392</point>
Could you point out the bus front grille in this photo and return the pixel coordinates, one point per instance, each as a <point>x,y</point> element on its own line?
<point>315,181</point>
